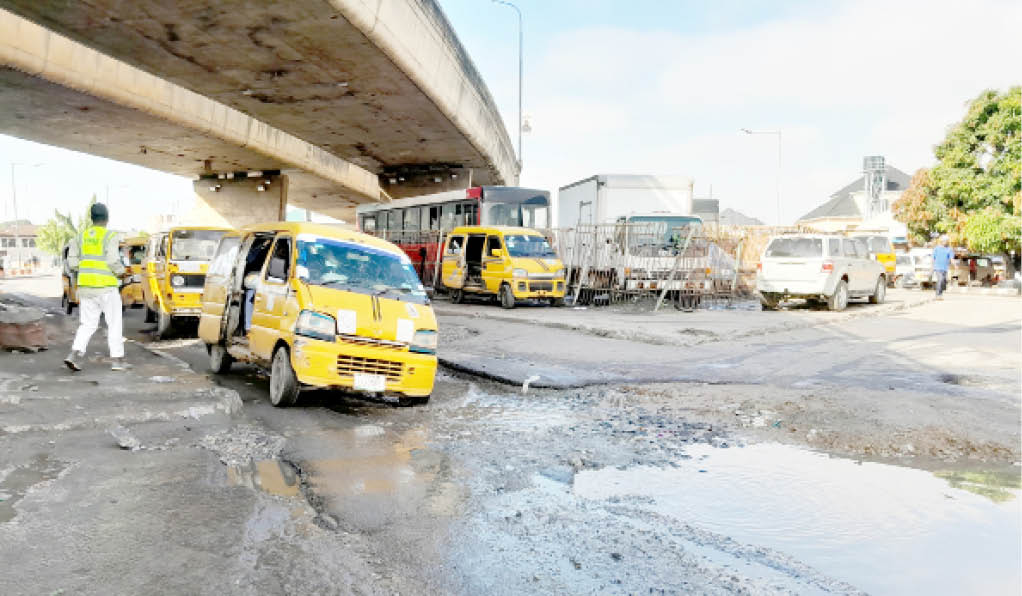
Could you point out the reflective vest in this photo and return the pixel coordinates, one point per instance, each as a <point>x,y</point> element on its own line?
<point>93,272</point>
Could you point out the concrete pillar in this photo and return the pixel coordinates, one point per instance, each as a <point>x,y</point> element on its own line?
<point>238,202</point>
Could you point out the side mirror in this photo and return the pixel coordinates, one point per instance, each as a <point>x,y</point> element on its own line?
<point>497,252</point>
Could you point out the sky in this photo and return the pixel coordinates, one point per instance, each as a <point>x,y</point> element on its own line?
<point>665,87</point>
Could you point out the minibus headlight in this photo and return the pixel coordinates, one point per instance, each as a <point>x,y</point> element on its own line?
<point>137,278</point>
<point>559,273</point>
<point>520,273</point>
<point>316,325</point>
<point>177,280</point>
<point>424,341</point>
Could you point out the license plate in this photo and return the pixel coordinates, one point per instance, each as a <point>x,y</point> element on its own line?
<point>374,383</point>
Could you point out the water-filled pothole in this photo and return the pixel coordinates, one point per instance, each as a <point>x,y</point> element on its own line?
<point>881,528</point>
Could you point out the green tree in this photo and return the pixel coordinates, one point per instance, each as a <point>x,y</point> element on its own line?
<point>61,229</point>
<point>974,193</point>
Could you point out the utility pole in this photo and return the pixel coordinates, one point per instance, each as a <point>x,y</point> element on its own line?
<point>14,204</point>
<point>520,60</point>
<point>778,133</point>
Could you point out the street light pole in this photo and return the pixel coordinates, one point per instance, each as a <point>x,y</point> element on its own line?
<point>520,61</point>
<point>14,204</point>
<point>778,133</point>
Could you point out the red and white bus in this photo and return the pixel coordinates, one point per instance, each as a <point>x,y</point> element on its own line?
<point>418,224</point>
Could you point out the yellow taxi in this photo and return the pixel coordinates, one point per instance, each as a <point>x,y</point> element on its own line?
<point>509,263</point>
<point>881,251</point>
<point>132,254</point>
<point>321,307</point>
<point>174,272</point>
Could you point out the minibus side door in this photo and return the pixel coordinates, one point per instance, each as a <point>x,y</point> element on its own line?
<point>451,266</point>
<point>271,299</point>
<point>494,267</point>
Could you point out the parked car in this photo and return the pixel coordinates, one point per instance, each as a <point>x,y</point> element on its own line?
<point>881,251</point>
<point>819,268</point>
<point>922,260</point>
<point>132,254</point>
<point>507,263</point>
<point>905,271</point>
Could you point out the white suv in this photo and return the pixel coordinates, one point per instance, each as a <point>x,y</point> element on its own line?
<point>819,267</point>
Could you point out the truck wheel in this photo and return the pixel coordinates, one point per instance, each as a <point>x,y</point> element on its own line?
<point>769,301</point>
<point>880,292</point>
<point>457,296</point>
<point>163,323</point>
<point>283,381</point>
<point>219,360</point>
<point>507,297</point>
<point>839,299</point>
<point>150,316</point>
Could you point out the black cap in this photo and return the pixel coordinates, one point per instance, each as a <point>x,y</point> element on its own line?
<point>99,212</point>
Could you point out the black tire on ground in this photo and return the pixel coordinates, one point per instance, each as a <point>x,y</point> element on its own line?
<point>457,296</point>
<point>507,297</point>
<point>769,301</point>
<point>219,360</point>
<point>163,323</point>
<point>283,381</point>
<point>880,292</point>
<point>406,402</point>
<point>150,316</point>
<point>839,299</point>
<point>557,302</point>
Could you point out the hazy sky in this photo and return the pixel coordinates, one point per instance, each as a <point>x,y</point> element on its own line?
<point>663,87</point>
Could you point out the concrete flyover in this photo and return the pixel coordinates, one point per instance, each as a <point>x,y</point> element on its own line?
<point>346,101</point>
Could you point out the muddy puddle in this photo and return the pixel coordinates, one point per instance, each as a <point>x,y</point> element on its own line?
<point>881,528</point>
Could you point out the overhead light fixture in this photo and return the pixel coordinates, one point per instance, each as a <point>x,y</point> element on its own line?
<point>342,84</point>
<point>247,92</point>
<point>401,178</point>
<point>393,180</point>
<point>266,182</point>
<point>437,179</point>
<point>454,176</point>
<point>260,188</point>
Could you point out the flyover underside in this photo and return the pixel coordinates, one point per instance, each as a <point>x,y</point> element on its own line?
<point>382,84</point>
<point>34,109</point>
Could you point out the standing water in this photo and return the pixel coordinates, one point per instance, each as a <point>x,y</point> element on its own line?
<point>882,528</point>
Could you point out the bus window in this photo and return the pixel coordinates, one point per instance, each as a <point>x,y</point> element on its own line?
<point>433,217</point>
<point>449,218</point>
<point>369,224</point>
<point>411,220</point>
<point>471,213</point>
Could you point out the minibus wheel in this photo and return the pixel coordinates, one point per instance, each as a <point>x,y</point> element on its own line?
<point>163,323</point>
<point>457,296</point>
<point>150,316</point>
<point>283,381</point>
<point>219,360</point>
<point>507,297</point>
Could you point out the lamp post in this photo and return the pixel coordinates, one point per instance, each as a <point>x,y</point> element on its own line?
<point>778,133</point>
<point>505,3</point>
<point>14,204</point>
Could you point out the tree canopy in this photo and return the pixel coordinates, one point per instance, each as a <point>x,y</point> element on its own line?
<point>974,193</point>
<point>61,229</point>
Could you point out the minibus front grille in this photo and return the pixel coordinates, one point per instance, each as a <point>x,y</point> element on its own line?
<point>541,286</point>
<point>358,340</point>
<point>347,366</point>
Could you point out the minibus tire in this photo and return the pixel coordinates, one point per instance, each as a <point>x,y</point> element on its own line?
<point>557,302</point>
<point>219,360</point>
<point>457,296</point>
<point>507,297</point>
<point>163,323</point>
<point>283,381</point>
<point>406,402</point>
<point>150,316</point>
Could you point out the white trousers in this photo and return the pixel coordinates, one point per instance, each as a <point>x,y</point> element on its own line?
<point>90,306</point>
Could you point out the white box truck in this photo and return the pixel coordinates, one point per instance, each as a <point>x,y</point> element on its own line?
<point>626,235</point>
<point>606,198</point>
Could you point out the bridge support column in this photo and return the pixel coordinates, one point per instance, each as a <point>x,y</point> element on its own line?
<point>238,201</point>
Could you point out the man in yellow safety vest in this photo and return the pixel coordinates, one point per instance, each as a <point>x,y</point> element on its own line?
<point>96,257</point>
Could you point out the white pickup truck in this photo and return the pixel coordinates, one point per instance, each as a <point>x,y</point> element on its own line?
<point>819,268</point>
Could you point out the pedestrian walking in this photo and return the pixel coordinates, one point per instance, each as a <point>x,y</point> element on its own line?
<point>96,257</point>
<point>942,255</point>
